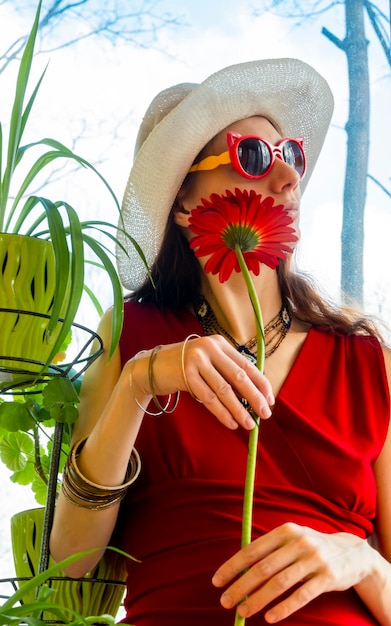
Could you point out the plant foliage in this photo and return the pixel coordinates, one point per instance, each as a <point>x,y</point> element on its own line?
<point>26,430</point>
<point>57,221</point>
<point>14,611</point>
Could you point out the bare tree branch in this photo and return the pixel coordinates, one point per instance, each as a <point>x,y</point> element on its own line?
<point>311,9</point>
<point>11,53</point>
<point>379,184</point>
<point>375,16</point>
<point>137,22</point>
<point>333,38</point>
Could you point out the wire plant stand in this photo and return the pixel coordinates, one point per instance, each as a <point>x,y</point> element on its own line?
<point>37,371</point>
<point>30,377</point>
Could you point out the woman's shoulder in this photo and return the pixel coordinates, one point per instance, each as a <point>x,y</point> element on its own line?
<point>359,351</point>
<point>349,338</point>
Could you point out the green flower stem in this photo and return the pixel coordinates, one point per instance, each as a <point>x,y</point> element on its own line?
<point>253,438</point>
<point>256,307</point>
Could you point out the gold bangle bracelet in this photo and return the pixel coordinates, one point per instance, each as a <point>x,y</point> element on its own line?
<point>156,401</point>
<point>87,494</point>
<point>140,406</point>
<point>152,386</point>
<point>193,336</point>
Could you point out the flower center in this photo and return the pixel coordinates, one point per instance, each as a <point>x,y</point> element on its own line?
<point>243,235</point>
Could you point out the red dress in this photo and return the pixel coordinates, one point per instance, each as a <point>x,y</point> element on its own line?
<point>182,517</point>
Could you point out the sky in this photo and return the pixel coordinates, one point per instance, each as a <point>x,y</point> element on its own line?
<point>103,92</point>
<point>98,89</point>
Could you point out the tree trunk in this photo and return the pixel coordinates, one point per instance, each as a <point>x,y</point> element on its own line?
<point>357,128</point>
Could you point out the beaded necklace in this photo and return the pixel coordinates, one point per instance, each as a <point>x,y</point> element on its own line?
<point>277,329</point>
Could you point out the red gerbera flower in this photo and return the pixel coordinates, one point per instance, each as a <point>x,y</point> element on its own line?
<point>240,231</point>
<point>259,228</point>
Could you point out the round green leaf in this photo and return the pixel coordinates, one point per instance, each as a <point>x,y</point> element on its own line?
<point>14,416</point>
<point>64,413</point>
<point>59,390</point>
<point>15,451</point>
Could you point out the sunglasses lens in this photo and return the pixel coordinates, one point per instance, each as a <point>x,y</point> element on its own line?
<point>254,156</point>
<point>294,156</point>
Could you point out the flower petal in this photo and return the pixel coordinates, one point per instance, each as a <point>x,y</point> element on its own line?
<point>261,229</point>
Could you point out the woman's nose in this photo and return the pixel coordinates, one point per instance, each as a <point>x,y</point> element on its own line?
<point>282,176</point>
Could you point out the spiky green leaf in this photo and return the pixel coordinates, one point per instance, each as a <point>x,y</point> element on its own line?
<point>18,120</point>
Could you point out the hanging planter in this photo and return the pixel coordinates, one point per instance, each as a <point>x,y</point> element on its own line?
<point>98,593</point>
<point>27,285</point>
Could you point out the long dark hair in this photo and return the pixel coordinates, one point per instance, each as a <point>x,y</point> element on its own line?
<point>308,305</point>
<point>175,273</point>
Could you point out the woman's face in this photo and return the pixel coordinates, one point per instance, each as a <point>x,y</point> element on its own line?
<point>281,182</point>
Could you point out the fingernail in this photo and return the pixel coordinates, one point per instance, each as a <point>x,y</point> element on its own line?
<point>266,412</point>
<point>271,617</point>
<point>249,423</point>
<point>226,601</point>
<point>243,610</point>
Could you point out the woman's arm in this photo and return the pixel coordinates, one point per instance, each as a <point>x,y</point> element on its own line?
<point>110,418</point>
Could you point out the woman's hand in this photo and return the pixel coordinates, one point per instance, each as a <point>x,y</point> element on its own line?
<point>216,373</point>
<point>296,558</point>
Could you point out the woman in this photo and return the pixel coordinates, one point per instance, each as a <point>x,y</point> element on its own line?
<point>324,455</point>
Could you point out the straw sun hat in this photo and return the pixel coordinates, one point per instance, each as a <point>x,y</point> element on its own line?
<point>182,119</point>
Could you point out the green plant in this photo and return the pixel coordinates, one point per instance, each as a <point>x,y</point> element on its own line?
<point>26,431</point>
<point>39,405</point>
<point>26,422</point>
<point>13,612</point>
<point>56,221</point>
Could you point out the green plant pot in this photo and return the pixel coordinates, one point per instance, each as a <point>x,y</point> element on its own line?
<point>99,592</point>
<point>27,283</point>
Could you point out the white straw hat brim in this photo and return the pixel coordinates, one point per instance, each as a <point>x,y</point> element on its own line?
<point>182,119</point>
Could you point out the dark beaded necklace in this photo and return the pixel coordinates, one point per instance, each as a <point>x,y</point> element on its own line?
<point>275,331</point>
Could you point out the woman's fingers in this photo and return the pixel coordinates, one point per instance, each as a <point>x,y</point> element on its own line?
<point>219,397</point>
<point>269,578</point>
<point>255,552</point>
<point>220,376</point>
<point>290,558</point>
